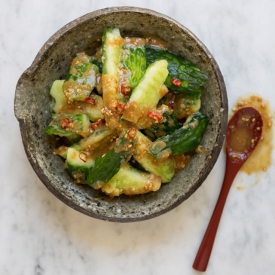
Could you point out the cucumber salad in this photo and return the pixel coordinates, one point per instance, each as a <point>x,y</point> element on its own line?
<point>128,117</point>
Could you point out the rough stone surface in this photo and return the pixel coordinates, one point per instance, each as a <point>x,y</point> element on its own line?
<point>32,109</point>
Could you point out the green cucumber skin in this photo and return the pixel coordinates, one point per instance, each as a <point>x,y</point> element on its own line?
<point>82,171</point>
<point>163,168</point>
<point>108,165</point>
<point>191,77</point>
<point>184,139</point>
<point>77,168</point>
<point>134,62</point>
<point>92,141</point>
<point>81,120</point>
<point>147,91</point>
<point>94,60</point>
<point>133,59</point>
<point>166,127</point>
<point>81,79</point>
<point>89,68</point>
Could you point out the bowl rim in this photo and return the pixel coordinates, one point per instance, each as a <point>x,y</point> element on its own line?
<point>46,47</point>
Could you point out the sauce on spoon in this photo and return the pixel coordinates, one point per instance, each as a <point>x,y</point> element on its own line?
<point>243,133</point>
<point>261,158</point>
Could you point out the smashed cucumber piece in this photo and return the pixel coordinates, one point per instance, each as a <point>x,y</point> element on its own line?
<point>61,151</point>
<point>78,164</point>
<point>96,138</point>
<point>106,167</point>
<point>111,57</point>
<point>81,79</point>
<point>186,105</point>
<point>160,167</point>
<point>111,51</point>
<point>147,93</point>
<point>91,106</point>
<point>109,164</point>
<point>94,60</point>
<point>58,96</point>
<point>131,181</point>
<point>113,99</point>
<point>133,63</point>
<point>166,126</point>
<point>183,75</point>
<point>71,126</point>
<point>182,140</point>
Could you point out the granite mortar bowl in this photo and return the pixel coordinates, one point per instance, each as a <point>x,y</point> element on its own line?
<point>32,109</point>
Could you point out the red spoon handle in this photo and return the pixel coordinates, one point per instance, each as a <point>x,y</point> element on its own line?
<point>205,249</point>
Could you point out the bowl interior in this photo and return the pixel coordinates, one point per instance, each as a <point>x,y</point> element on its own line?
<point>32,109</point>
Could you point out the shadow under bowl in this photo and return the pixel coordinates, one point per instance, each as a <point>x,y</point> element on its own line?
<point>32,109</point>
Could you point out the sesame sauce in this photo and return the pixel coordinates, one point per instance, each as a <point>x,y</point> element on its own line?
<point>261,157</point>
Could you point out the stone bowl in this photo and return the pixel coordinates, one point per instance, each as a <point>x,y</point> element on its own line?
<point>32,109</point>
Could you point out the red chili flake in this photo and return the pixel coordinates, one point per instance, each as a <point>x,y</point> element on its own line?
<point>64,122</point>
<point>125,90</point>
<point>83,156</point>
<point>176,82</point>
<point>132,133</point>
<point>100,122</point>
<point>172,105</point>
<point>155,116</point>
<point>120,109</point>
<point>90,100</point>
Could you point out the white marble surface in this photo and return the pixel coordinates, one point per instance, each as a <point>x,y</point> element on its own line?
<point>40,235</point>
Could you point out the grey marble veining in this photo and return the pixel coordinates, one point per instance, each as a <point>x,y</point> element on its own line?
<point>41,235</point>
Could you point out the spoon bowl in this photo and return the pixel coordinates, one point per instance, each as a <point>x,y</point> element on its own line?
<point>243,134</point>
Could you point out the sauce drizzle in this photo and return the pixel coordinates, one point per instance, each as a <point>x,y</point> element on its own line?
<point>261,158</point>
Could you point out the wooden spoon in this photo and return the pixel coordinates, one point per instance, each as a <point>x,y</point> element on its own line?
<point>242,136</point>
